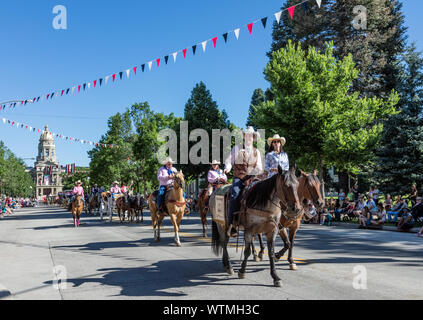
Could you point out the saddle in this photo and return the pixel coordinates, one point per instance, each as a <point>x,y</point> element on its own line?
<point>155,196</point>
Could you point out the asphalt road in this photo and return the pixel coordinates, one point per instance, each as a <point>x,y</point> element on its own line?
<point>103,260</point>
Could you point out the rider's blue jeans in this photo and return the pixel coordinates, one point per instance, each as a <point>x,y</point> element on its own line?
<point>237,187</point>
<point>162,191</point>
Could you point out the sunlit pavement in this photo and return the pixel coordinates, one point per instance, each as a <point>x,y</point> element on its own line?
<point>44,257</point>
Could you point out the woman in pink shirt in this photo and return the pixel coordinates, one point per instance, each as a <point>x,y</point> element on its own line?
<point>115,189</point>
<point>77,191</point>
<point>215,176</point>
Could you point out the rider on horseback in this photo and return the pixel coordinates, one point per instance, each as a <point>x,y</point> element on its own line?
<point>276,156</point>
<point>215,176</point>
<point>77,191</point>
<point>246,161</point>
<point>166,176</point>
<point>115,189</point>
<point>95,190</point>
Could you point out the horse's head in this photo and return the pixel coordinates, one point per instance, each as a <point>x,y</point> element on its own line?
<point>179,180</point>
<point>287,188</point>
<point>309,189</point>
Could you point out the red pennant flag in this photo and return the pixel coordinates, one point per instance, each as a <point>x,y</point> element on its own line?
<point>63,91</point>
<point>13,122</point>
<point>291,11</point>
<point>185,52</point>
<point>114,77</point>
<point>214,41</point>
<point>135,70</point>
<point>79,88</point>
<point>48,96</point>
<point>26,127</point>
<point>158,62</point>
<point>250,27</point>
<point>38,130</point>
<point>95,83</point>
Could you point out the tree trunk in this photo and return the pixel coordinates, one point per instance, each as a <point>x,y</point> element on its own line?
<point>321,178</point>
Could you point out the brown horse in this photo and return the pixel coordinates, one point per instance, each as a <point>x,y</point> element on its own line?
<point>308,190</point>
<point>260,213</point>
<point>77,208</point>
<point>123,205</point>
<point>175,204</point>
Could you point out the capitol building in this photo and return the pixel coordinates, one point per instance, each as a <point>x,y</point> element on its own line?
<point>47,170</point>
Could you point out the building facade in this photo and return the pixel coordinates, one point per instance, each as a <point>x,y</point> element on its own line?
<point>47,170</point>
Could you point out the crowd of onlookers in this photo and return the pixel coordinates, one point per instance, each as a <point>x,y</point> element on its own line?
<point>370,210</point>
<point>8,205</point>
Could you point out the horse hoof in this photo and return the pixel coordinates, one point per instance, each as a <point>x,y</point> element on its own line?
<point>256,259</point>
<point>260,256</point>
<point>157,240</point>
<point>277,257</point>
<point>241,275</point>
<point>205,235</point>
<point>178,244</point>
<point>230,271</point>
<point>293,267</point>
<point>277,284</point>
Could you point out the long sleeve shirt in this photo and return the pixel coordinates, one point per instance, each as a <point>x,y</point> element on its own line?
<point>163,176</point>
<point>273,160</point>
<point>249,151</point>
<point>79,191</point>
<point>215,175</point>
<point>115,190</point>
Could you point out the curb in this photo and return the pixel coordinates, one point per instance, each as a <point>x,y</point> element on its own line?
<point>346,225</point>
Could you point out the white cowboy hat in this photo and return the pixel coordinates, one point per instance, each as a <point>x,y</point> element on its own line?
<point>115,182</point>
<point>215,162</point>
<point>276,137</point>
<point>78,182</point>
<point>250,130</point>
<point>168,160</point>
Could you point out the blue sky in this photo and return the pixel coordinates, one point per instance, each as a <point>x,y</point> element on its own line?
<point>104,37</point>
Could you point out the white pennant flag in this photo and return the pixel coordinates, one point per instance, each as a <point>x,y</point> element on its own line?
<point>89,85</point>
<point>237,33</point>
<point>150,64</point>
<point>174,56</point>
<point>73,90</point>
<point>17,124</point>
<point>319,2</point>
<point>30,129</point>
<point>82,141</point>
<point>278,16</point>
<point>127,72</point>
<point>107,78</point>
<point>204,44</point>
<point>4,120</point>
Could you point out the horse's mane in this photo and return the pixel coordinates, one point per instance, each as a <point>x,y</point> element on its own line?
<point>263,191</point>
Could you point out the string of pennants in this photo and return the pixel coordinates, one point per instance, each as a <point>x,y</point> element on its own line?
<point>158,61</point>
<point>60,136</point>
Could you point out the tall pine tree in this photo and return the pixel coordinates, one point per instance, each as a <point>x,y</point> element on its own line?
<point>400,160</point>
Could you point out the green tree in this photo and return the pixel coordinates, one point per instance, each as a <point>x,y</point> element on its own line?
<point>400,160</point>
<point>325,124</point>
<point>202,112</point>
<point>109,164</point>
<point>148,124</point>
<point>258,97</point>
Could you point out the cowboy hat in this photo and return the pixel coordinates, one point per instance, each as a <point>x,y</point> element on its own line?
<point>115,182</point>
<point>250,130</point>
<point>78,182</point>
<point>215,162</point>
<point>168,160</point>
<point>276,137</point>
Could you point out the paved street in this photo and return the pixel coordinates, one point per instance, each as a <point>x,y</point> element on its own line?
<point>121,261</point>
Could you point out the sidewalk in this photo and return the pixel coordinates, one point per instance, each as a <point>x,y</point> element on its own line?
<point>348,225</point>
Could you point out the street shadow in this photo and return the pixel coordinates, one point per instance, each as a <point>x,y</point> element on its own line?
<point>164,278</point>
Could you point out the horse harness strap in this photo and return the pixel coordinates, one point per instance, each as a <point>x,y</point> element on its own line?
<point>178,204</point>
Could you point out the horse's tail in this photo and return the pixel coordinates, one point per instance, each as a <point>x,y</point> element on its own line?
<point>216,243</point>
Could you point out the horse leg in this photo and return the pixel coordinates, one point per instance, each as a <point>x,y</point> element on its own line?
<point>204,221</point>
<point>248,238</point>
<point>271,239</point>
<point>262,247</point>
<point>292,232</point>
<point>225,258</point>
<point>142,216</point>
<point>253,249</point>
<point>176,229</point>
<point>287,244</point>
<point>160,220</point>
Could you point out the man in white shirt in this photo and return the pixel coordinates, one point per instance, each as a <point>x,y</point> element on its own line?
<point>246,162</point>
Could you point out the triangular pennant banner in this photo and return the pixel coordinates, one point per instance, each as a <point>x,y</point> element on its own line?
<point>237,33</point>
<point>174,56</point>
<point>291,11</point>
<point>158,62</point>
<point>319,2</point>
<point>204,44</point>
<point>250,27</point>
<point>264,22</point>
<point>185,53</point>
<point>304,5</point>
<point>150,64</point>
<point>214,41</point>
<point>225,36</point>
<point>135,70</point>
<point>166,59</point>
<point>127,73</point>
<point>194,48</point>
<point>278,16</point>
<point>143,67</point>
<point>120,75</point>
